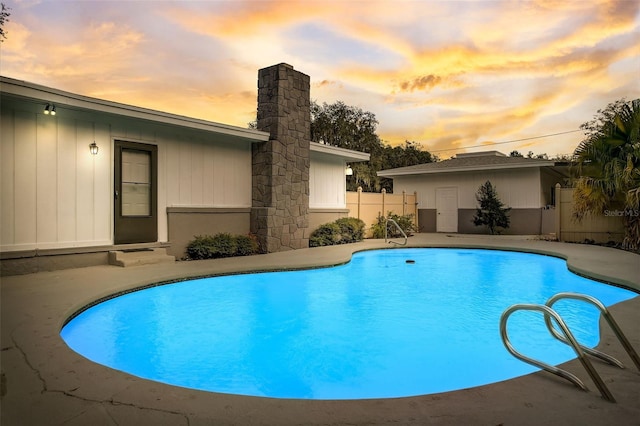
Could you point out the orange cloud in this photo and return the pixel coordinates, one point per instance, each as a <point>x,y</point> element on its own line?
<point>242,19</point>
<point>421,83</point>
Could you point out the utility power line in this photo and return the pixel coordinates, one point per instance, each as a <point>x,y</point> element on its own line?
<point>505,142</point>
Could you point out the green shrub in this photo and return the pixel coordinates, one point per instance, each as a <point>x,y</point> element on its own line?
<point>200,247</point>
<point>325,235</point>
<point>342,231</point>
<point>221,245</point>
<point>246,245</point>
<point>351,229</point>
<point>405,222</point>
<point>224,245</point>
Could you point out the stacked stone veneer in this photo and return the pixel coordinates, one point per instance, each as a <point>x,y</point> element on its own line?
<point>280,213</point>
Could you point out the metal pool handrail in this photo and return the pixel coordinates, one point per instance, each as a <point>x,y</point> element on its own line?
<point>547,311</point>
<point>607,316</point>
<point>386,225</point>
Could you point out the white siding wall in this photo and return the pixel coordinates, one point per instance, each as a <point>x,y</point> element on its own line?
<point>327,182</point>
<point>516,188</point>
<point>202,174</point>
<point>55,194</point>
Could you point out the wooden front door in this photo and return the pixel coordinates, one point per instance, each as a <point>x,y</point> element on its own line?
<point>136,188</point>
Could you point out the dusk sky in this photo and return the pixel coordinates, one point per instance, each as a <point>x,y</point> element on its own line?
<point>454,76</point>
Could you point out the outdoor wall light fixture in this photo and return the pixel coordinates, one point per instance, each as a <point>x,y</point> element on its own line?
<point>50,109</point>
<point>93,148</point>
<point>348,171</point>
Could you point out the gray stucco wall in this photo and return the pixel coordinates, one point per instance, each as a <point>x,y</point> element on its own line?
<point>185,223</point>
<point>523,222</point>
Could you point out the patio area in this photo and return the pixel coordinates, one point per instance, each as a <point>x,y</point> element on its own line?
<point>45,383</point>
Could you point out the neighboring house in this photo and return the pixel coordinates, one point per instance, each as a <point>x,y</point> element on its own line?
<point>156,180</point>
<point>447,190</point>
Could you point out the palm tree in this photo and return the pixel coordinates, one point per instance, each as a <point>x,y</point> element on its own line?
<point>607,168</point>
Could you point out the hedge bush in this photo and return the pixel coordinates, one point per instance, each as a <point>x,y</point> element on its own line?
<point>351,229</point>
<point>221,245</point>
<point>342,231</point>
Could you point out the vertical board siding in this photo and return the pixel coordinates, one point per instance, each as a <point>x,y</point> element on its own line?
<point>197,173</point>
<point>184,176</point>
<point>236,175</point>
<point>217,179</point>
<point>327,182</point>
<point>55,194</point>
<point>84,183</point>
<point>7,185</point>
<point>25,179</point>
<point>46,178</point>
<point>103,182</point>
<point>206,174</point>
<point>171,172</point>
<point>66,181</point>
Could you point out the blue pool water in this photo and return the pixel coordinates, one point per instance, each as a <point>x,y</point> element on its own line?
<point>376,327</point>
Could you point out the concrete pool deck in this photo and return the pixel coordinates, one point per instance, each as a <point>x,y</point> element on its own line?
<point>45,383</point>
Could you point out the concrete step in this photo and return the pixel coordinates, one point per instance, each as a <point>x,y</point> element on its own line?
<point>135,257</point>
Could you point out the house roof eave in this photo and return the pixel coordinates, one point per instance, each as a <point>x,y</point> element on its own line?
<point>62,99</point>
<point>414,171</point>
<point>346,154</point>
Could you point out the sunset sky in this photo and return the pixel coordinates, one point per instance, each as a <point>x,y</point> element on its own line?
<point>454,76</point>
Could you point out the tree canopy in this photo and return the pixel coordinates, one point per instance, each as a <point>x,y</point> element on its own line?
<point>607,167</point>
<point>352,128</point>
<point>4,17</point>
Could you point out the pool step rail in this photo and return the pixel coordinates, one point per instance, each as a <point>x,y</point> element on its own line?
<point>386,228</point>
<point>568,338</point>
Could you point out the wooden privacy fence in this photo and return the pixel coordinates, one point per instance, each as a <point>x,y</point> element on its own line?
<point>367,206</point>
<point>600,228</point>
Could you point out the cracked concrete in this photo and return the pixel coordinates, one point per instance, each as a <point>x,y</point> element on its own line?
<point>45,383</point>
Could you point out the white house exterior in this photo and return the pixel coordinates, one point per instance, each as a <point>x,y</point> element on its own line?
<point>447,190</point>
<point>171,177</point>
<point>327,202</point>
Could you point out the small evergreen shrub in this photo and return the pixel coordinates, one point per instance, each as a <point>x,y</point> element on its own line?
<point>246,245</point>
<point>221,245</point>
<point>199,248</point>
<point>405,222</point>
<point>491,211</point>
<point>325,235</point>
<point>224,245</point>
<point>342,231</point>
<point>351,229</point>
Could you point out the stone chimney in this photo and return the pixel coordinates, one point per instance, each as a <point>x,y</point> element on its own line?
<point>280,212</point>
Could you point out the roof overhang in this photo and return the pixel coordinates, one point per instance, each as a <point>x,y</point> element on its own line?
<point>40,94</point>
<point>440,170</point>
<point>346,154</point>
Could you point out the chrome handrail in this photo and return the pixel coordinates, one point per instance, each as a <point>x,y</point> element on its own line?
<point>547,311</point>
<point>607,316</point>
<point>386,225</point>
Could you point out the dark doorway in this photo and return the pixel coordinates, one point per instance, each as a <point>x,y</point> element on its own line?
<point>136,188</point>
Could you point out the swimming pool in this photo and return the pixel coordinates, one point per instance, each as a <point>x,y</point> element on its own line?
<point>376,327</point>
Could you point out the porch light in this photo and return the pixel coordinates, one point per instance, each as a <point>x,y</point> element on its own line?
<point>348,171</point>
<point>50,109</point>
<point>93,148</point>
